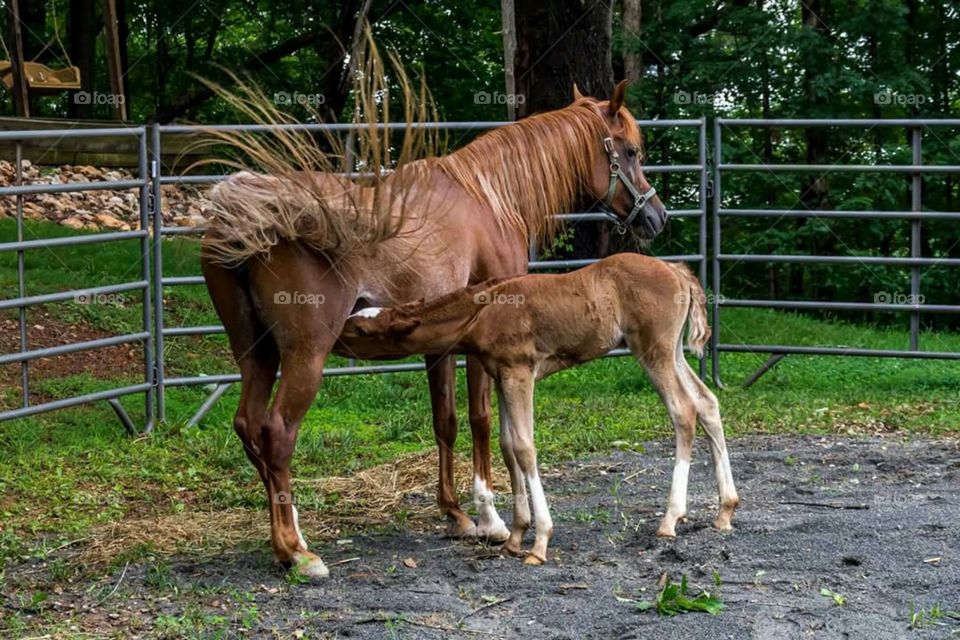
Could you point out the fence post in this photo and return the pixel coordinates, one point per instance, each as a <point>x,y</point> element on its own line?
<point>916,199</point>
<point>148,343</point>
<point>715,307</point>
<point>21,281</point>
<point>156,212</point>
<point>702,240</point>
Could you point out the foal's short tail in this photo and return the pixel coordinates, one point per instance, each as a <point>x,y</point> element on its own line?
<point>698,329</point>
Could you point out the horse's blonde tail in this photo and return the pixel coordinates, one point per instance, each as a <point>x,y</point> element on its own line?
<point>698,329</point>
<point>288,188</point>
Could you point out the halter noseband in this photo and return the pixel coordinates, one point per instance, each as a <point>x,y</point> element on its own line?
<point>617,174</point>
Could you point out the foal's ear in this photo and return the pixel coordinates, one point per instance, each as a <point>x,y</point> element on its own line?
<point>617,98</point>
<point>576,93</point>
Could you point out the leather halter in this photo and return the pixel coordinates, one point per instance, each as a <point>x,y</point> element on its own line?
<point>617,175</point>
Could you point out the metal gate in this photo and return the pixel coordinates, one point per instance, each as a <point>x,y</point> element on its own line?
<point>24,300</point>
<point>915,262</point>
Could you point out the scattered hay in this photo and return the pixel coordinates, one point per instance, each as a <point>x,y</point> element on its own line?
<point>368,498</point>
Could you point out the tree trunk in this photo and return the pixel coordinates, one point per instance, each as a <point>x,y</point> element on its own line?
<point>632,59</point>
<point>83,21</point>
<point>508,15</point>
<point>815,189</point>
<point>560,44</point>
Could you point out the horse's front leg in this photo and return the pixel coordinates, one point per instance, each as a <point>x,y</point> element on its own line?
<point>490,525</point>
<point>441,373</point>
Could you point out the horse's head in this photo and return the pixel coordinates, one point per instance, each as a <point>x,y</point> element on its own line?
<point>617,179</point>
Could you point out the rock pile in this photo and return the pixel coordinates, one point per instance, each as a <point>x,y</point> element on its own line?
<point>96,210</point>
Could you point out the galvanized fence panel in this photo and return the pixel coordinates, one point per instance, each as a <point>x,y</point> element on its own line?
<point>915,262</point>
<point>23,301</point>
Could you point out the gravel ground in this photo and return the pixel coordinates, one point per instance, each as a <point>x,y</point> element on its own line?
<point>872,519</point>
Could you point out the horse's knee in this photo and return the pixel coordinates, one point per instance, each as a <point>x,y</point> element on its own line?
<point>480,416</point>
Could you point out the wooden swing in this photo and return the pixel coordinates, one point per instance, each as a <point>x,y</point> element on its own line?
<point>39,77</point>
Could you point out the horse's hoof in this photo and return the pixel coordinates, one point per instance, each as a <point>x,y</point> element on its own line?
<point>309,565</point>
<point>461,529</point>
<point>534,560</point>
<point>494,534</point>
<point>666,532</point>
<point>723,523</point>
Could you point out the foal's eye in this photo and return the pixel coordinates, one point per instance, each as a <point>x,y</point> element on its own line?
<point>631,153</point>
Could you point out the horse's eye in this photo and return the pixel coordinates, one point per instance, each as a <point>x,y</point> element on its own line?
<point>631,153</point>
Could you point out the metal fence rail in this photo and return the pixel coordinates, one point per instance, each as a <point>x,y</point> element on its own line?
<point>151,282</point>
<point>916,214</point>
<point>23,301</point>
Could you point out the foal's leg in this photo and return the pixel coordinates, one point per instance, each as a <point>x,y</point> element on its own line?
<point>708,410</point>
<point>441,372</point>
<point>659,363</point>
<point>518,486</point>
<point>490,526</point>
<point>516,392</point>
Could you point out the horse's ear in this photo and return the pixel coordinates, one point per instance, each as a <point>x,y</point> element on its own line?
<point>616,100</point>
<point>576,93</point>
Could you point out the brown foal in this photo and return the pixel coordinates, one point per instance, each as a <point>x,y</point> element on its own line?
<point>285,266</point>
<point>525,328</point>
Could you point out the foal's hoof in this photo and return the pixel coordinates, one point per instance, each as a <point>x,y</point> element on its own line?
<point>534,559</point>
<point>723,522</point>
<point>666,531</point>
<point>309,566</point>
<point>511,549</point>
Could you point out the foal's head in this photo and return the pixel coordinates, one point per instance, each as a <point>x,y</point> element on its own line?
<point>618,181</point>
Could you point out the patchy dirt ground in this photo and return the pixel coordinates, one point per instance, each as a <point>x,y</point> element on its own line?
<point>873,520</point>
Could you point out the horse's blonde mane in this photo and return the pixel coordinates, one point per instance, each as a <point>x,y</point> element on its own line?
<point>538,167</point>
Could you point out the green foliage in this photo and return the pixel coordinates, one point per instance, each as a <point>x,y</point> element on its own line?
<point>675,599</point>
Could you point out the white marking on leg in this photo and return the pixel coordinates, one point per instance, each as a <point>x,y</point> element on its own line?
<point>296,527</point>
<point>541,511</point>
<point>490,524</point>
<point>677,505</point>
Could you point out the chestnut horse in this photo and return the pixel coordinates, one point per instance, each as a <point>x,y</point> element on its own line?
<point>285,266</point>
<point>527,328</point>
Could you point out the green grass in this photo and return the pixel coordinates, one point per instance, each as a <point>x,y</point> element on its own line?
<point>65,473</point>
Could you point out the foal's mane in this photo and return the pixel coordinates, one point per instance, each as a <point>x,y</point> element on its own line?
<point>533,169</point>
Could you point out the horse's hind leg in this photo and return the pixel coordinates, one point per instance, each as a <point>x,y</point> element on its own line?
<point>253,349</point>
<point>708,410</point>
<point>299,383</point>
<point>441,373</point>
<point>305,303</point>
<point>489,526</point>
